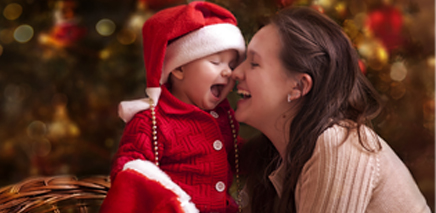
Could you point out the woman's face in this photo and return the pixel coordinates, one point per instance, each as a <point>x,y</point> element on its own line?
<point>264,83</point>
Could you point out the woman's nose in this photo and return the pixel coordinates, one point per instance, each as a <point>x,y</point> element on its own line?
<point>238,72</point>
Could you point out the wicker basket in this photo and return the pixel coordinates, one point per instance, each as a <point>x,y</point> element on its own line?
<point>55,194</point>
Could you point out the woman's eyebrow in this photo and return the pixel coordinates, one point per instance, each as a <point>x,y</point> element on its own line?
<point>253,54</point>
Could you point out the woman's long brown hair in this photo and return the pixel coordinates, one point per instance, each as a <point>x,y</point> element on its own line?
<point>312,44</point>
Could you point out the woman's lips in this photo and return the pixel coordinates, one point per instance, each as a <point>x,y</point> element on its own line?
<point>244,93</point>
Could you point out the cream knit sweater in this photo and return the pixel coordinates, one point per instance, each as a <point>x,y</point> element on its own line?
<point>342,176</point>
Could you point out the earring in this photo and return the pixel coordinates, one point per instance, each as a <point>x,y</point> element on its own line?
<point>289,98</point>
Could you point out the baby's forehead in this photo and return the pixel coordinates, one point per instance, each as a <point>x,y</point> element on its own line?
<point>228,52</point>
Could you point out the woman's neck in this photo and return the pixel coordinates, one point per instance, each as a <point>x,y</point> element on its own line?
<point>278,132</point>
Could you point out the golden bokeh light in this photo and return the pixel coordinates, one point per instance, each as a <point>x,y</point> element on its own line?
<point>12,11</point>
<point>126,37</point>
<point>430,62</point>
<point>356,7</point>
<point>375,53</point>
<point>104,54</point>
<point>359,20</point>
<point>137,21</point>
<point>327,4</point>
<point>6,36</point>
<point>341,9</point>
<point>398,90</point>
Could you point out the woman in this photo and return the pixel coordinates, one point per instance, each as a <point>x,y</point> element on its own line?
<point>302,88</point>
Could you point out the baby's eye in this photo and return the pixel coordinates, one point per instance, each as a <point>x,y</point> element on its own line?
<point>215,62</point>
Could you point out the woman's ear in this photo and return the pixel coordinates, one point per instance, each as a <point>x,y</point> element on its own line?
<point>301,85</point>
<point>178,73</point>
<point>305,83</point>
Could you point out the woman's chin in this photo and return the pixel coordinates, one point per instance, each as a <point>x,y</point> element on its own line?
<point>240,115</point>
<point>241,110</point>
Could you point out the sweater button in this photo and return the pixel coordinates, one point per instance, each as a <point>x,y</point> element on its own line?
<point>214,114</point>
<point>217,145</point>
<point>220,186</point>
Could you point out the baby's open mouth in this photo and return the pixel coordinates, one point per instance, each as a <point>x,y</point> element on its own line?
<point>244,94</point>
<point>216,89</point>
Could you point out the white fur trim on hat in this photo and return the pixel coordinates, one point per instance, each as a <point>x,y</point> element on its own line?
<point>205,41</point>
<point>153,172</point>
<point>128,109</point>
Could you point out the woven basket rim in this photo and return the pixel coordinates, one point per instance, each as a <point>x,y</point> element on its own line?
<point>50,191</point>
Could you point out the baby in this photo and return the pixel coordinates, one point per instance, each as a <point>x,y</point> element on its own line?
<point>179,149</point>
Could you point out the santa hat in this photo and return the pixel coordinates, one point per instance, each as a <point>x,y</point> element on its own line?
<point>176,36</point>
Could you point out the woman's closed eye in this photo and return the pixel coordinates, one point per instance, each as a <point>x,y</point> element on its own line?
<point>253,64</point>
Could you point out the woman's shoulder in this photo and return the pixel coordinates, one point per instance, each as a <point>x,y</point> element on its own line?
<point>345,135</point>
<point>341,148</point>
<point>341,154</point>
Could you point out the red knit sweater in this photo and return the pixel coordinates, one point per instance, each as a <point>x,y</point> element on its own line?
<point>189,150</point>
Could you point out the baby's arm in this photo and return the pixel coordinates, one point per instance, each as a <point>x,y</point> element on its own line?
<point>339,176</point>
<point>138,185</point>
<point>135,144</point>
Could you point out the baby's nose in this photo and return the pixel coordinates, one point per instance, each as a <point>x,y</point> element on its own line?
<point>226,73</point>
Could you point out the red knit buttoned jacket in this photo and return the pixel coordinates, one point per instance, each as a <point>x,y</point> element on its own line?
<point>189,149</point>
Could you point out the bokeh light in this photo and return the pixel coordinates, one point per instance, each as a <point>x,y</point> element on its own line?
<point>6,36</point>
<point>7,149</point>
<point>325,3</point>
<point>105,54</point>
<point>431,62</point>
<point>41,147</point>
<point>359,20</point>
<point>318,8</point>
<point>14,93</point>
<point>398,71</point>
<point>23,33</point>
<point>1,50</point>
<point>105,27</point>
<point>376,55</point>
<point>137,20</point>
<point>398,90</point>
<point>36,129</point>
<point>356,7</point>
<point>12,11</point>
<point>109,142</point>
<point>429,113</point>
<point>341,9</point>
<point>126,37</point>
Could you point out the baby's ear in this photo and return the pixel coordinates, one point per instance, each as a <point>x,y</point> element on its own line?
<point>178,73</point>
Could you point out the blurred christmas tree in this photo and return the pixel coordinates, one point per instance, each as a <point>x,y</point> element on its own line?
<point>65,66</point>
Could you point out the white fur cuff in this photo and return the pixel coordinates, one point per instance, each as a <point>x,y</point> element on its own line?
<point>153,172</point>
